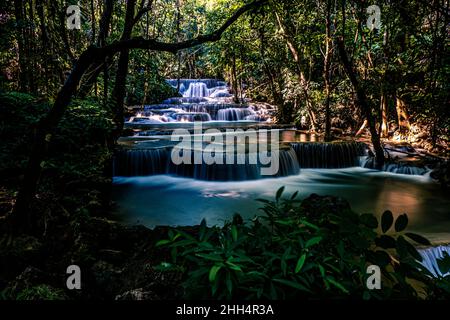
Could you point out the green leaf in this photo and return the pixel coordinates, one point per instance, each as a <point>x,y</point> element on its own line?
<point>380,258</point>
<point>401,222</point>
<point>210,257</point>
<point>229,283</point>
<point>405,245</point>
<point>366,295</point>
<point>162,243</point>
<point>300,263</point>
<point>418,238</point>
<point>313,241</point>
<point>233,266</point>
<point>294,195</point>
<point>385,242</point>
<point>213,272</point>
<point>279,193</point>
<point>308,224</point>
<point>292,284</point>
<point>369,220</point>
<point>234,233</point>
<point>386,221</point>
<point>203,229</point>
<point>337,284</point>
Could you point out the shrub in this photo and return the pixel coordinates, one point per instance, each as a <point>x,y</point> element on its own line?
<point>292,252</point>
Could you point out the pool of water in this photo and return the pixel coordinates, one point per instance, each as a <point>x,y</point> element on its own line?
<point>175,201</point>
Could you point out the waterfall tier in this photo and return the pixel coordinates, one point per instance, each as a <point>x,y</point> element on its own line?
<point>396,167</point>
<point>144,162</point>
<point>329,155</point>
<point>200,96</point>
<point>430,257</point>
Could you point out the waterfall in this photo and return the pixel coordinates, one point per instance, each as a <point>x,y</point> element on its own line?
<point>234,114</point>
<point>395,167</point>
<point>430,257</point>
<point>182,100</point>
<point>140,162</point>
<point>220,92</point>
<point>193,88</point>
<point>328,155</point>
<point>288,165</point>
<point>192,116</point>
<point>216,111</point>
<point>201,96</point>
<point>185,83</point>
<point>197,90</point>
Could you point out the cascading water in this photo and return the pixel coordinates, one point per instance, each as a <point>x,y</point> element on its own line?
<point>395,167</point>
<point>145,162</point>
<point>234,114</point>
<point>329,155</point>
<point>295,156</point>
<point>173,199</point>
<point>430,258</point>
<point>141,162</point>
<point>192,116</point>
<point>197,90</point>
<point>198,98</point>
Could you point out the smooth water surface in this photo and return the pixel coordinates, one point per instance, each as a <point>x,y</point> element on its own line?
<point>169,200</point>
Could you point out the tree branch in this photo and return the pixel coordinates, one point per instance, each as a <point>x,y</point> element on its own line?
<point>143,9</point>
<point>21,213</point>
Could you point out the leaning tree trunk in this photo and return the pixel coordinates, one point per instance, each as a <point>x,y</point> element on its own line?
<point>361,99</point>
<point>21,215</point>
<point>119,90</point>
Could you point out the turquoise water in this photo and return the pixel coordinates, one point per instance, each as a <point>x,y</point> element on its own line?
<point>175,201</point>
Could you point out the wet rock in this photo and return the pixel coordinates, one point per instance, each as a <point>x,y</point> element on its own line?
<point>33,284</point>
<point>441,173</point>
<point>137,294</point>
<point>19,254</point>
<point>106,278</point>
<point>112,256</point>
<point>315,205</point>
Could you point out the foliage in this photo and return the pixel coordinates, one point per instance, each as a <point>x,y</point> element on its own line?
<point>78,155</point>
<point>290,253</point>
<point>39,292</point>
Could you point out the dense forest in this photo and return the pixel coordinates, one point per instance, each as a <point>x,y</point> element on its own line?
<point>71,72</point>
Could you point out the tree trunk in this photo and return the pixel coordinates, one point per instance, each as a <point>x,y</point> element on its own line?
<point>326,71</point>
<point>21,215</point>
<point>384,115</point>
<point>20,21</point>
<point>119,90</point>
<point>101,66</point>
<point>361,100</point>
<point>303,82</point>
<point>234,79</point>
<point>402,115</point>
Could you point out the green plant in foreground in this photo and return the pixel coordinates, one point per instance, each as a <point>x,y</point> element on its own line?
<point>291,252</point>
